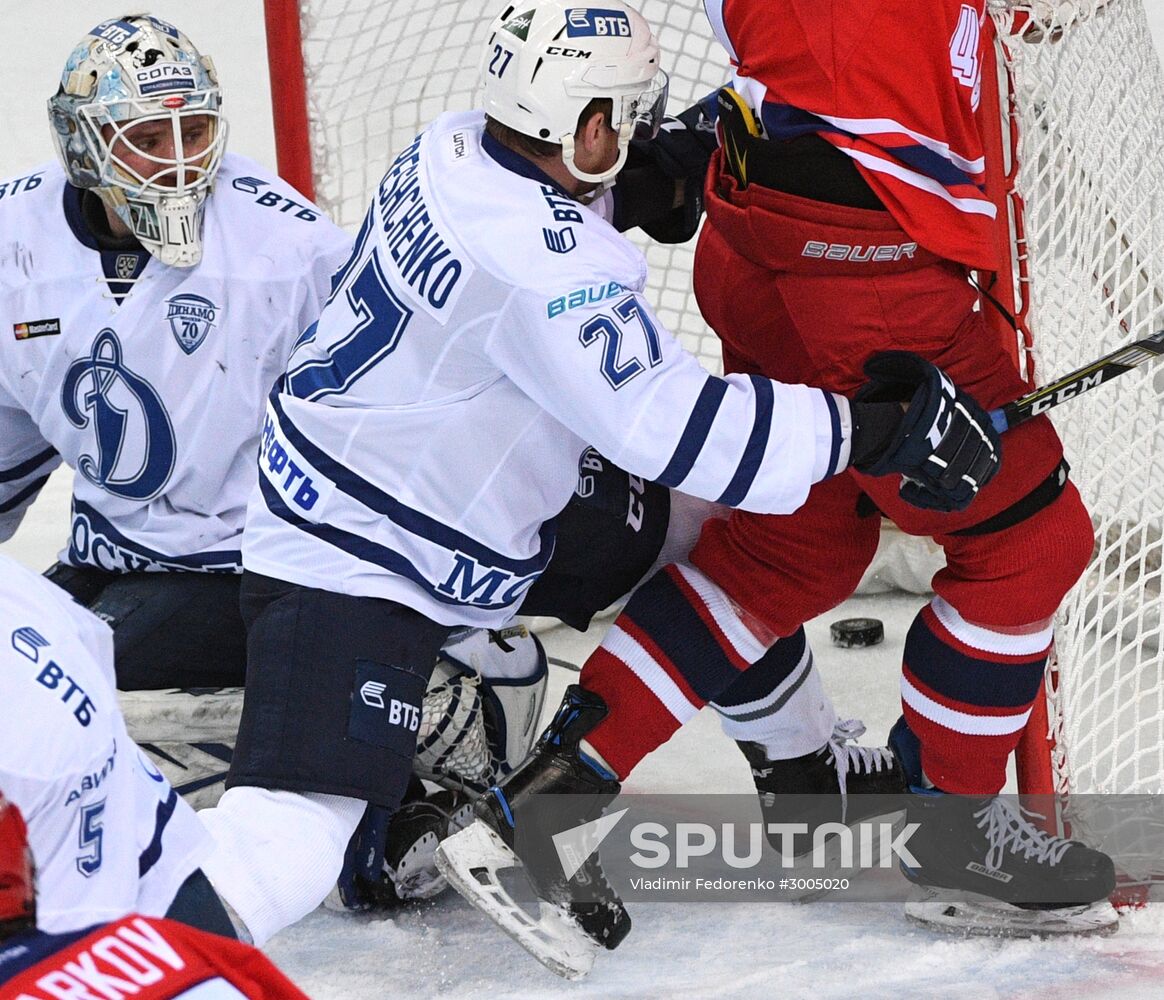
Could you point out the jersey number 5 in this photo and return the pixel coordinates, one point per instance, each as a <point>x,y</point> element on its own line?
<point>615,369</point>
<point>89,838</point>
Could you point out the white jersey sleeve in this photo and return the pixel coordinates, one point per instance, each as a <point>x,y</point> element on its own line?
<point>612,372</point>
<point>108,833</point>
<point>26,460</point>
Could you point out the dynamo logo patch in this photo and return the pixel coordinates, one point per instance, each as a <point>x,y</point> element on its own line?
<point>191,317</point>
<point>595,22</point>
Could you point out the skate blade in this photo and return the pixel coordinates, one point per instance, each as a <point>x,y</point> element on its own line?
<point>985,917</point>
<point>804,866</point>
<point>471,859</point>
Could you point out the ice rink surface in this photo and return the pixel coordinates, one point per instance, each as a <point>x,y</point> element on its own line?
<point>819,950</point>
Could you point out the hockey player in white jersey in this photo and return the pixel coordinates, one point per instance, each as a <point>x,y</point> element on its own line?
<point>109,834</point>
<point>153,286</point>
<point>487,327</point>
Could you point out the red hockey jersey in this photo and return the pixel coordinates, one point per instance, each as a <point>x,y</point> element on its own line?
<point>142,957</point>
<point>905,89</point>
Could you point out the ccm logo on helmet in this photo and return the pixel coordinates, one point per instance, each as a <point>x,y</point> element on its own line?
<point>557,50</point>
<point>861,254</point>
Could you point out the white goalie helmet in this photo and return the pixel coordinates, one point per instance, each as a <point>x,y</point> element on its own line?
<point>547,59</point>
<point>125,72</point>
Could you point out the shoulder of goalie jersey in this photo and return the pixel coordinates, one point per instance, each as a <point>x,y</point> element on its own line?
<point>33,190</point>
<point>262,208</point>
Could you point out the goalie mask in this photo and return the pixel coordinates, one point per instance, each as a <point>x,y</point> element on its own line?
<point>17,875</point>
<point>137,118</point>
<point>547,59</point>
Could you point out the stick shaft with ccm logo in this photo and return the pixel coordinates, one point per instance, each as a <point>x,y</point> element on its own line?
<point>1079,381</point>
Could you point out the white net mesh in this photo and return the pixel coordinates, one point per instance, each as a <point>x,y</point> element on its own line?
<point>452,747</point>
<point>1090,102</point>
<point>378,72</point>
<point>1090,99</point>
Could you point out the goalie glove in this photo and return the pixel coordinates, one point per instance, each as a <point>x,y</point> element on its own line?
<point>645,193</point>
<point>944,445</point>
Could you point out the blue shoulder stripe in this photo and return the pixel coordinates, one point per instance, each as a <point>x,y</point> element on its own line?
<point>753,455</point>
<point>694,436</point>
<point>149,857</point>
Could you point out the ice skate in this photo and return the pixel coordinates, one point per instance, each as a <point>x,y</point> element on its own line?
<point>578,910</point>
<point>839,783</point>
<point>985,868</point>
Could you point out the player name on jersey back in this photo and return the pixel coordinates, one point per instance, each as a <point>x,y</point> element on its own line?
<point>140,958</point>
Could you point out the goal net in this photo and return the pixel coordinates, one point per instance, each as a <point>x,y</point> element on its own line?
<point>1088,102</point>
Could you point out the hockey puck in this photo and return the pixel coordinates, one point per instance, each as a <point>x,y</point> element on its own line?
<point>850,632</point>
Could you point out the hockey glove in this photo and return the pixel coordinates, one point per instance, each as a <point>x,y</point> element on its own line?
<point>679,153</point>
<point>944,446</point>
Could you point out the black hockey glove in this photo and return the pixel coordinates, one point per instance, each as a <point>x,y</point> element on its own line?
<point>944,445</point>
<point>645,192</point>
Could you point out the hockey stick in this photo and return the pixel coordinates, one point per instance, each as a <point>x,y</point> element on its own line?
<point>1079,381</point>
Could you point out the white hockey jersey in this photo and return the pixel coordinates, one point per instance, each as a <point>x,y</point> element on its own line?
<point>149,380</point>
<point>487,328</point>
<point>108,833</point>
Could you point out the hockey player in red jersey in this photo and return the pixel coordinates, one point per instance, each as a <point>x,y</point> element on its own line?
<point>146,957</point>
<point>848,203</point>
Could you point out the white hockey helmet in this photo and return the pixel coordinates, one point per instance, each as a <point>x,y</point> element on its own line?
<point>126,71</point>
<point>547,59</point>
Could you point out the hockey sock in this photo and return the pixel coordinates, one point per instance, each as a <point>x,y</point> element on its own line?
<point>678,644</point>
<point>779,702</point>
<point>966,692</point>
<point>278,853</point>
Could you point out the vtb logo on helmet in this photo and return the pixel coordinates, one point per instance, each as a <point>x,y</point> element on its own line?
<point>137,118</point>
<point>547,59</point>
